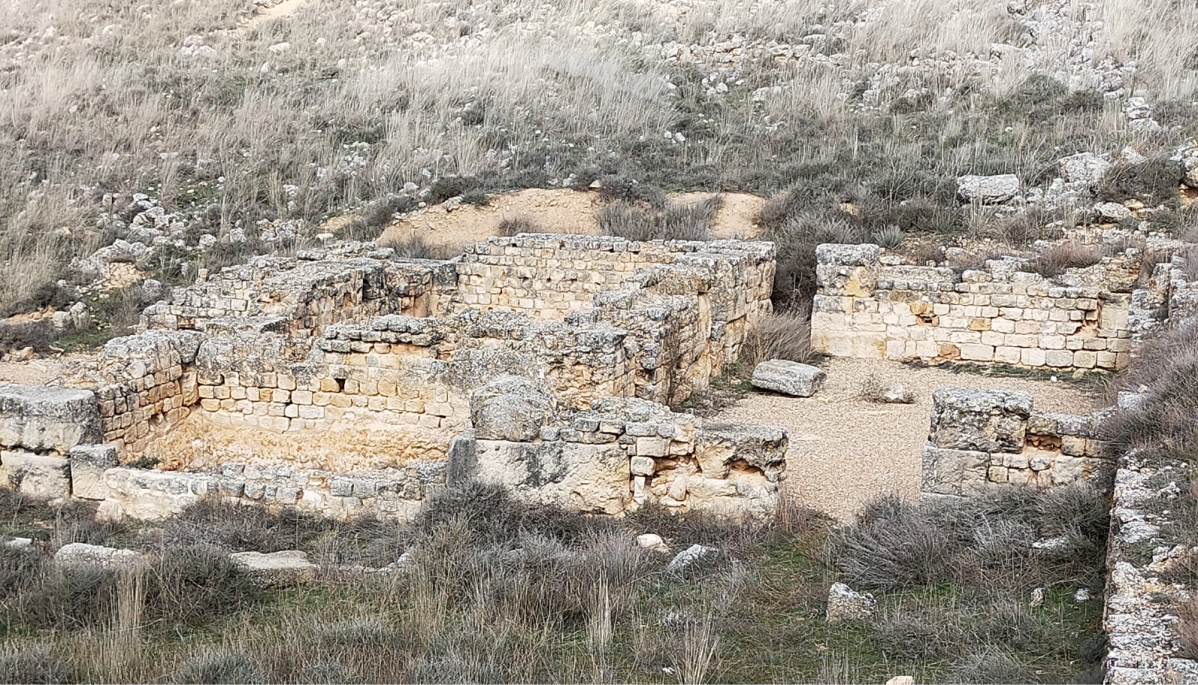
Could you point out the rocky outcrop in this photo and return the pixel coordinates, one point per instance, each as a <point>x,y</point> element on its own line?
<point>846,605</point>
<point>276,569</point>
<point>988,190</point>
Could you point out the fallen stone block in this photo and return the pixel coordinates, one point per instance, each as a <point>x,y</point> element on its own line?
<point>276,569</point>
<point>652,541</point>
<point>788,378</point>
<point>988,190</point>
<point>846,605</point>
<point>78,553</point>
<point>689,556</point>
<point>39,419</point>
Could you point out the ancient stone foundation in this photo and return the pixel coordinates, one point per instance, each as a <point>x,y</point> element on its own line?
<point>981,440</point>
<point>345,381</point>
<point>872,305</point>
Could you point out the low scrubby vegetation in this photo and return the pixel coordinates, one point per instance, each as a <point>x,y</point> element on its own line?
<point>660,219</point>
<point>499,591</point>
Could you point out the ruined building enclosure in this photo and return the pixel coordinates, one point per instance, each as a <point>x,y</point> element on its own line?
<point>346,380</point>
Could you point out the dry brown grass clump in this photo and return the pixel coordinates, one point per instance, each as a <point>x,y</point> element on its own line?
<point>666,220</point>
<point>1057,259</point>
<point>785,335</point>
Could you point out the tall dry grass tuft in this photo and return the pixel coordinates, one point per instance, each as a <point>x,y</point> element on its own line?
<point>784,335</point>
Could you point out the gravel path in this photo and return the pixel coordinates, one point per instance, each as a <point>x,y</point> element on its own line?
<point>844,450</point>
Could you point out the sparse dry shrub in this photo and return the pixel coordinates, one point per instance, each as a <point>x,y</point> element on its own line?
<point>1166,422</point>
<point>513,226</point>
<point>1186,629</point>
<point>31,663</point>
<point>796,238</point>
<point>1154,181</point>
<point>1057,259</point>
<point>221,666</point>
<point>784,335</point>
<point>670,221</point>
<point>195,584</point>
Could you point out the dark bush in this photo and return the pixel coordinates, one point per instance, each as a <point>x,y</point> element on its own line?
<point>673,221</point>
<point>381,212</point>
<point>490,514</point>
<point>452,186</point>
<point>516,225</point>
<point>195,584</point>
<point>796,240</point>
<point>623,189</point>
<point>1166,422</point>
<point>476,197</point>
<point>69,597</point>
<point>779,336</point>
<point>1154,181</point>
<point>20,570</point>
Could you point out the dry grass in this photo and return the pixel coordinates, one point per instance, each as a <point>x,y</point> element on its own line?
<point>662,220</point>
<point>98,98</point>
<point>778,336</point>
<point>1057,259</point>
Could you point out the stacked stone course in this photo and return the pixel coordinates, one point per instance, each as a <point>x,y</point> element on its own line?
<point>871,306</point>
<point>986,439</point>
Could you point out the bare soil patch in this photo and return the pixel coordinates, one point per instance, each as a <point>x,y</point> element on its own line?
<point>550,211</point>
<point>845,450</point>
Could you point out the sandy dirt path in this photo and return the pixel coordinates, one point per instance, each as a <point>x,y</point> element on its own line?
<point>845,450</point>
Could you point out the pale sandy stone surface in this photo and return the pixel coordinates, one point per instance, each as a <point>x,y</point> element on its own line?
<point>845,451</point>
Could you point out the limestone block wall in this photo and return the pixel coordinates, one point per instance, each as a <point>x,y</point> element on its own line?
<point>869,306</point>
<point>144,386</point>
<point>39,428</point>
<point>625,453</point>
<point>308,292</point>
<point>389,494</point>
<point>986,439</point>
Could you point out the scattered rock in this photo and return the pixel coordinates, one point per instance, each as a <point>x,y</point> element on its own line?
<point>1037,597</point>
<point>110,511</point>
<point>988,190</point>
<point>18,543</point>
<point>901,680</point>
<point>894,394</point>
<point>689,556</point>
<point>846,605</point>
<point>1082,595</point>
<point>453,203</point>
<point>1112,211</point>
<point>652,541</point>
<point>788,378</point>
<point>78,553</point>
<point>1085,169</point>
<point>276,569</point>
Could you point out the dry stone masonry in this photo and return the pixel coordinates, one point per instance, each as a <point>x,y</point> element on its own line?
<point>347,381</point>
<point>986,439</point>
<point>872,305</point>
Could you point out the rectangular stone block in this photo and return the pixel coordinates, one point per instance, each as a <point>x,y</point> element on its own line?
<point>954,472</point>
<point>981,420</point>
<point>39,419</point>
<point>88,464</point>
<point>36,476</point>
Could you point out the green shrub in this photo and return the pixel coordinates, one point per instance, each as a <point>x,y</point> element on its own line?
<point>452,186</point>
<point>476,197</point>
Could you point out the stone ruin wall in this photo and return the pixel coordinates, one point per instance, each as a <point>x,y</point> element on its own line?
<point>982,440</point>
<point>870,305</point>
<point>352,362</point>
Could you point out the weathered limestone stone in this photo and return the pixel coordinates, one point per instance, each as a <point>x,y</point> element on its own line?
<point>988,190</point>
<point>580,477</point>
<point>150,495</point>
<point>276,569</point>
<point>88,464</point>
<point>510,408</point>
<point>721,446</point>
<point>78,553</point>
<point>788,378</point>
<point>833,254</point>
<point>41,419</point>
<point>37,476</point>
<point>981,420</point>
<point>846,605</point>
<point>652,541</point>
<point>462,461</point>
<point>895,394</point>
<point>953,472</point>
<point>689,556</point>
